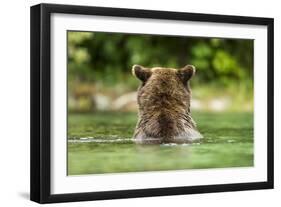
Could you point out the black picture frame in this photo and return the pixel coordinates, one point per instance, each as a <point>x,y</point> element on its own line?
<point>41,98</point>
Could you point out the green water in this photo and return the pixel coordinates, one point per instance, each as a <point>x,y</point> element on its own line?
<point>101,143</point>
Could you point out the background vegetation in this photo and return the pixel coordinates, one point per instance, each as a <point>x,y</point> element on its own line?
<point>99,68</point>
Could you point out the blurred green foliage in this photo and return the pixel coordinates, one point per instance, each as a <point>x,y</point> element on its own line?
<point>108,57</point>
<point>100,63</point>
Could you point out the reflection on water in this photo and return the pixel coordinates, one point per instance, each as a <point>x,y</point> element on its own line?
<point>120,140</point>
<point>101,143</point>
<point>96,140</point>
<point>101,156</point>
<point>92,155</point>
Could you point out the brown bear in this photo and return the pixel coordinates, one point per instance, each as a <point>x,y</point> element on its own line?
<point>164,106</point>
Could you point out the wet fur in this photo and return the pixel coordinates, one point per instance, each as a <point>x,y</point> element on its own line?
<point>164,106</point>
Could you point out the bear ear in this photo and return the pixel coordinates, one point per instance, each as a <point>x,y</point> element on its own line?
<point>186,73</point>
<point>141,73</point>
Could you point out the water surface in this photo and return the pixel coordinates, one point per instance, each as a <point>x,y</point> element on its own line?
<point>101,143</point>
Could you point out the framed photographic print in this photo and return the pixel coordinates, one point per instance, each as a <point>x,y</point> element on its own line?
<point>133,103</point>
